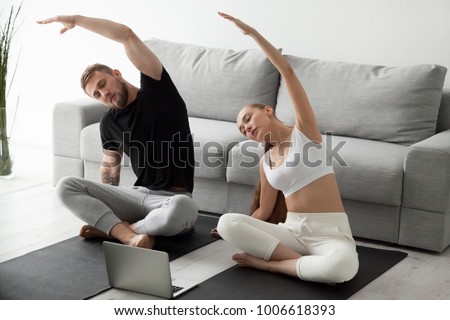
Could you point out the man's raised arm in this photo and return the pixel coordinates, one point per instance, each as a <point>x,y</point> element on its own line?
<point>139,54</point>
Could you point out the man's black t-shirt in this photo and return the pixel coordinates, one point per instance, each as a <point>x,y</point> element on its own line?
<point>154,132</point>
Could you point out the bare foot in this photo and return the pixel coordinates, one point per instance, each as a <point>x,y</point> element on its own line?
<point>247,260</point>
<point>288,266</point>
<point>88,232</point>
<point>142,241</point>
<point>215,234</point>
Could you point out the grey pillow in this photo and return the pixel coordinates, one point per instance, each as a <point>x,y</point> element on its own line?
<point>398,105</point>
<point>218,83</point>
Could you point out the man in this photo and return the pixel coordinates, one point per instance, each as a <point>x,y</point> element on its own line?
<point>150,125</point>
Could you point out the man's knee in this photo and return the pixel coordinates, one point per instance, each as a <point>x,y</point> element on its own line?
<point>182,209</point>
<point>66,185</point>
<point>183,204</point>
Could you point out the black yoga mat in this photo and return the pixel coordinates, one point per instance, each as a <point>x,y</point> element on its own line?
<point>75,269</point>
<point>239,283</point>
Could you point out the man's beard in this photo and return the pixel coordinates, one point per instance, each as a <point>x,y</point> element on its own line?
<point>122,96</point>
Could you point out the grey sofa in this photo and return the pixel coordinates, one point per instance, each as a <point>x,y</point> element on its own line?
<point>387,131</point>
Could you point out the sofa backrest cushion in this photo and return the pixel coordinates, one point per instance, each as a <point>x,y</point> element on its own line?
<point>398,105</point>
<point>218,83</point>
<point>443,122</point>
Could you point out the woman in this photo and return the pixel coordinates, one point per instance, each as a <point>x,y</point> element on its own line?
<point>315,242</point>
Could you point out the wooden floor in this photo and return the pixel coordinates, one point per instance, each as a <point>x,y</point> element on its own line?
<point>31,218</point>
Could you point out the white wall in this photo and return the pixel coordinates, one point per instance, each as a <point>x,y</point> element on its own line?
<point>383,32</point>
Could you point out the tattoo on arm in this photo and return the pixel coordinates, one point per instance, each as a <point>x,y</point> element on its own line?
<point>110,167</point>
<point>108,179</point>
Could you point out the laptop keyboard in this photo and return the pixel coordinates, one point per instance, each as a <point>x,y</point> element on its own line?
<point>176,289</point>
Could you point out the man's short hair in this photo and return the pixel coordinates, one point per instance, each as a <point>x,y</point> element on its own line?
<point>90,70</point>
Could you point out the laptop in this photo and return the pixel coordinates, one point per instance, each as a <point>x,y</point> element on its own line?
<point>142,270</point>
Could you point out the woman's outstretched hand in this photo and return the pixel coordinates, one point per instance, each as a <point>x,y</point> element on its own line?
<point>67,21</point>
<point>245,28</point>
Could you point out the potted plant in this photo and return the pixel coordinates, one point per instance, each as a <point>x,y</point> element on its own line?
<point>7,32</point>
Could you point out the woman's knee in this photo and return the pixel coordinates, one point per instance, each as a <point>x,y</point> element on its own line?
<point>336,268</point>
<point>344,267</point>
<point>229,224</point>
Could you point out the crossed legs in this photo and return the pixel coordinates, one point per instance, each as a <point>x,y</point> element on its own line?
<point>283,260</point>
<point>122,232</point>
<point>329,257</point>
<point>115,212</point>
<point>267,246</point>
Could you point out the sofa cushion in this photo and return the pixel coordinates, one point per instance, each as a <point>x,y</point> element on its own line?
<point>367,170</point>
<point>397,105</point>
<point>218,83</point>
<point>91,145</point>
<point>443,122</point>
<point>212,141</point>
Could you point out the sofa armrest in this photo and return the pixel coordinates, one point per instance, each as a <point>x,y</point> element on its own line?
<point>69,118</point>
<point>426,184</point>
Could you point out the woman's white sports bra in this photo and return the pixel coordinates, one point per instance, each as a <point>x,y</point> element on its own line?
<point>305,162</point>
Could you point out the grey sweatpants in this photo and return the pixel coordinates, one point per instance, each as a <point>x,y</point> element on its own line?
<point>156,212</point>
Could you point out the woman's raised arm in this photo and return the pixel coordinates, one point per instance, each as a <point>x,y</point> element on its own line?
<point>305,118</point>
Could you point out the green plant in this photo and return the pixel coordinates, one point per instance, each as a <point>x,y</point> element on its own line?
<point>7,33</point>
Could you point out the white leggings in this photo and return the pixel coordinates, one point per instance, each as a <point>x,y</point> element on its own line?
<point>323,239</point>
